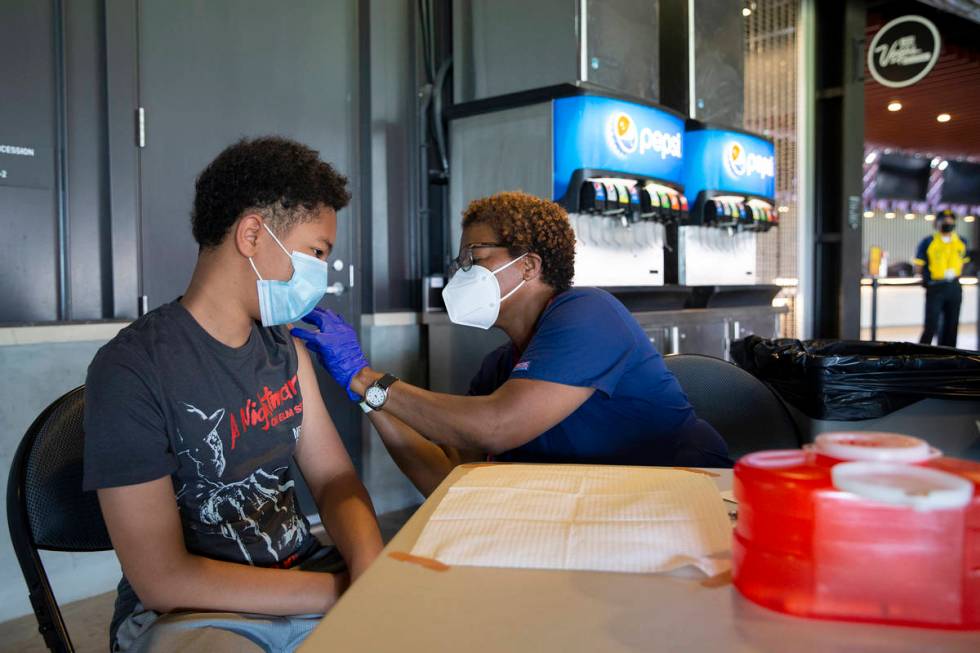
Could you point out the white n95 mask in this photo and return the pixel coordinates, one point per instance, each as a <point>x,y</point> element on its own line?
<point>281,302</point>
<point>472,297</point>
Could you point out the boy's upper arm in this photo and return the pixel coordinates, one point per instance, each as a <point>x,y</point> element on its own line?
<point>128,459</point>
<point>145,529</point>
<point>320,452</point>
<point>126,440</point>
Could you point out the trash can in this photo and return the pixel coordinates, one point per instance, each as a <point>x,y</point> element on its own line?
<point>832,385</point>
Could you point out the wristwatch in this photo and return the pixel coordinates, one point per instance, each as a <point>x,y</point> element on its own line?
<point>377,393</point>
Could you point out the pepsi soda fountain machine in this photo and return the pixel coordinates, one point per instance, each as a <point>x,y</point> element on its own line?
<point>615,165</point>
<point>730,176</point>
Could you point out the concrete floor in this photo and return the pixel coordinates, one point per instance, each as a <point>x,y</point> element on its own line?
<point>88,620</point>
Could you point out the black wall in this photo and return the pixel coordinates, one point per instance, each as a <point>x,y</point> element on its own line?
<point>719,59</point>
<point>69,211</point>
<point>33,274</point>
<point>96,225</point>
<point>389,167</point>
<point>839,126</point>
<point>93,222</point>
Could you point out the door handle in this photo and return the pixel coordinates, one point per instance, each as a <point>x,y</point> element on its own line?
<point>336,288</point>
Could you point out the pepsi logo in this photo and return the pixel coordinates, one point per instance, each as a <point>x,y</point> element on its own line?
<point>622,134</point>
<point>740,163</point>
<point>625,137</point>
<point>735,159</point>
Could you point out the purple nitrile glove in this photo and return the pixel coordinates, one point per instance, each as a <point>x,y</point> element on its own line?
<point>335,344</point>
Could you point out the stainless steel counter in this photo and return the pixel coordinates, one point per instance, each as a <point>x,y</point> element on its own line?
<point>684,317</point>
<point>455,353</point>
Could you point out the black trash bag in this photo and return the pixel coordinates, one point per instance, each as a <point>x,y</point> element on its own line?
<point>854,379</point>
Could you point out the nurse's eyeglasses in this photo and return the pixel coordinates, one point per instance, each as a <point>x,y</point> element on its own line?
<point>465,259</point>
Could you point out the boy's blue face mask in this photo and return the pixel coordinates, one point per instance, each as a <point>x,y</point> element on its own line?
<point>281,302</point>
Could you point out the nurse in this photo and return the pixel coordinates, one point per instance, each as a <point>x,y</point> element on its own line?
<point>579,381</point>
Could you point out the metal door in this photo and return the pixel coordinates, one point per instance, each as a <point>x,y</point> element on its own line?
<point>213,71</point>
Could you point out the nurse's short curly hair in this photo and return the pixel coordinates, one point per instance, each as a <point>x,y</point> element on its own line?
<point>283,181</point>
<point>526,223</point>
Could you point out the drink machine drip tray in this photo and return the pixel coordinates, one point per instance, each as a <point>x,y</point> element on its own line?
<point>732,296</point>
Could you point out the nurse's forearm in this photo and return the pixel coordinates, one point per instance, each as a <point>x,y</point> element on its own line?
<point>471,423</point>
<point>425,463</point>
<point>452,420</point>
<point>516,413</point>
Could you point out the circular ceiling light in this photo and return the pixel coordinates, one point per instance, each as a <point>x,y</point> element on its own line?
<point>943,117</point>
<point>895,106</point>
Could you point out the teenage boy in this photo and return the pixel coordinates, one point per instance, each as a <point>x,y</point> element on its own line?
<point>194,413</point>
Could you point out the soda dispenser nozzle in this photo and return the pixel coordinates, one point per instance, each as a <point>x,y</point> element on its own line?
<point>649,204</point>
<point>613,203</point>
<point>636,205</point>
<point>592,197</point>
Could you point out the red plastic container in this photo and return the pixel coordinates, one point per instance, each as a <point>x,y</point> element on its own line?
<point>891,535</point>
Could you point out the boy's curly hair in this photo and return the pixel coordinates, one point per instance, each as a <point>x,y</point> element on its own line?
<point>280,179</point>
<point>526,223</point>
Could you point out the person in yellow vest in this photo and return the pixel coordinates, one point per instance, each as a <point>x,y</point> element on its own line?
<point>939,259</point>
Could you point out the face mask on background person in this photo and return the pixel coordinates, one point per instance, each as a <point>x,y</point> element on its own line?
<point>472,297</point>
<point>281,302</point>
<point>947,227</point>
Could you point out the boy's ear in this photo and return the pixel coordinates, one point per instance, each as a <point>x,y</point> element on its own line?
<point>246,233</point>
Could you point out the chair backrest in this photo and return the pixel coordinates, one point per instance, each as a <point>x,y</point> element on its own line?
<point>47,509</point>
<point>743,409</point>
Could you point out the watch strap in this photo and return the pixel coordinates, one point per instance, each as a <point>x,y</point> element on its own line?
<point>385,381</point>
<point>382,384</point>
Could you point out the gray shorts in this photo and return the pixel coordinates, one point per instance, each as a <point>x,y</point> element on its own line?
<point>146,631</point>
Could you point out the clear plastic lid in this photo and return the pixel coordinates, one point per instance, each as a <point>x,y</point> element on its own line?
<point>774,459</point>
<point>874,446</point>
<point>921,488</point>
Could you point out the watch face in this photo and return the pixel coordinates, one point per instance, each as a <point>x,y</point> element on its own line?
<point>375,396</point>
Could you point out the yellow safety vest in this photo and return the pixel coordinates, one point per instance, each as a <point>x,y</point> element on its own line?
<point>942,256</point>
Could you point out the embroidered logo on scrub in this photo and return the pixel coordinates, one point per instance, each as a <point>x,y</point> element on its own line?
<point>523,366</point>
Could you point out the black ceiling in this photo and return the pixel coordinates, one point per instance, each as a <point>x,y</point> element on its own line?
<point>953,87</point>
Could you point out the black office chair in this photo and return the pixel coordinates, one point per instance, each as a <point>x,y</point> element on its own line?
<point>46,508</point>
<point>743,409</point>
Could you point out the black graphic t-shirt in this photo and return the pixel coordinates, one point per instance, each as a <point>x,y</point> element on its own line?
<point>165,398</point>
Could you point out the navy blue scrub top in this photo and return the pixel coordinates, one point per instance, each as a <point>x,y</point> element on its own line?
<point>638,415</point>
